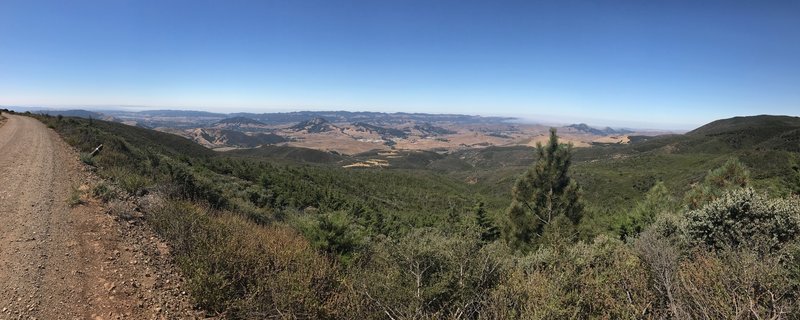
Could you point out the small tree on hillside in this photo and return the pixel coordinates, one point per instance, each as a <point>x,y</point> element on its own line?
<point>656,201</point>
<point>731,175</point>
<point>489,231</point>
<point>544,196</point>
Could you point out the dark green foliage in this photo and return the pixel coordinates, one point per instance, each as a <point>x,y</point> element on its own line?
<point>733,174</point>
<point>793,178</point>
<point>335,233</point>
<point>657,201</point>
<point>288,154</point>
<point>744,218</point>
<point>190,185</point>
<point>488,229</point>
<point>86,158</point>
<point>544,195</point>
<point>105,191</point>
<point>426,274</point>
<point>376,199</point>
<point>603,279</point>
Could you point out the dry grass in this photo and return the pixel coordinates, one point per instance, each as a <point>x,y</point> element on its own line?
<point>75,197</point>
<point>244,270</point>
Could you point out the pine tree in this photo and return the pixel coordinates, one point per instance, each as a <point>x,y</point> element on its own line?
<point>489,231</point>
<point>545,197</point>
<point>656,201</point>
<point>731,175</point>
<point>453,217</point>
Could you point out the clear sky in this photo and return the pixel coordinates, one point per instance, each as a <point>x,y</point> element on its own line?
<point>660,63</point>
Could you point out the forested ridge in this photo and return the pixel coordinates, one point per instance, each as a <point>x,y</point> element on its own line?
<point>706,227</point>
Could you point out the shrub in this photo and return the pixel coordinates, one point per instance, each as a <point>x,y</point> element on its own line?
<point>87,158</point>
<point>335,233</point>
<point>603,279</point>
<point>661,257</point>
<point>243,270</point>
<point>105,191</point>
<point>426,274</point>
<point>744,218</point>
<point>731,175</point>
<point>656,202</point>
<point>737,284</point>
<point>74,197</point>
<point>130,182</point>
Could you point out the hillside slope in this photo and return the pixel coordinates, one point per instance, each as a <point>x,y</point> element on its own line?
<point>614,177</point>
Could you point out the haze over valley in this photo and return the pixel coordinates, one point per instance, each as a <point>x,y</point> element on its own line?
<point>356,132</point>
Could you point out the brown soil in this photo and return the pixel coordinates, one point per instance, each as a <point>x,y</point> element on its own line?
<point>60,259</point>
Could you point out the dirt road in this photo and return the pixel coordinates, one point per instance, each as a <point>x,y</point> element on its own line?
<point>67,261</point>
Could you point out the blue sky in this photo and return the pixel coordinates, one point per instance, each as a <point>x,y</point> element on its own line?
<point>663,64</point>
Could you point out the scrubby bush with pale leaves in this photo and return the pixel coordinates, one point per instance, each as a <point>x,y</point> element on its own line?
<point>744,218</point>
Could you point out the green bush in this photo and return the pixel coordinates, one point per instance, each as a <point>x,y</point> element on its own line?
<point>737,284</point>
<point>656,202</point>
<point>237,268</point>
<point>74,197</point>
<point>603,279</point>
<point>335,233</point>
<point>744,218</point>
<point>731,175</point>
<point>129,181</point>
<point>105,191</point>
<point>425,274</point>
<point>87,158</point>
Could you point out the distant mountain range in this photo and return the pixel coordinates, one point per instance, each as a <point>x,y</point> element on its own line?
<point>602,132</point>
<point>239,121</point>
<point>316,125</point>
<point>75,113</point>
<point>216,138</point>
<point>371,117</point>
<point>354,132</point>
<point>384,132</point>
<point>162,118</point>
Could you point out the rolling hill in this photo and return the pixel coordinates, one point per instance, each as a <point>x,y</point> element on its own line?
<point>239,122</point>
<point>219,138</point>
<point>582,127</point>
<point>316,125</point>
<point>77,113</point>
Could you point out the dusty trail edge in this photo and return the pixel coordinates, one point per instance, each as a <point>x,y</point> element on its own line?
<point>65,255</point>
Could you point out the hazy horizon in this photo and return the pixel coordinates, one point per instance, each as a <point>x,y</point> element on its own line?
<point>544,119</point>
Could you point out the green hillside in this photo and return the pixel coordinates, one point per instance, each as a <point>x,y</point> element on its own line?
<point>288,154</point>
<point>615,177</point>
<point>269,182</point>
<point>289,229</point>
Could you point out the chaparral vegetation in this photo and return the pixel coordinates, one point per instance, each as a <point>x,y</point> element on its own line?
<point>700,225</point>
